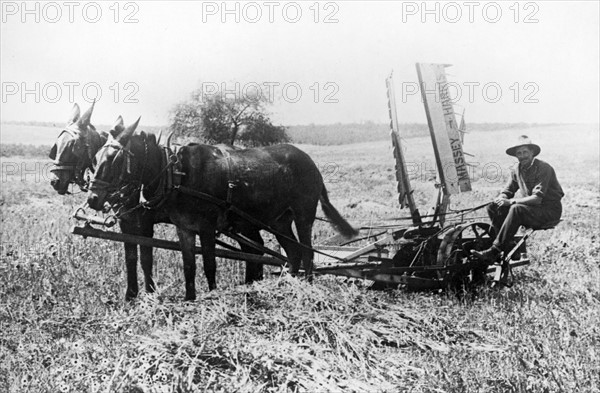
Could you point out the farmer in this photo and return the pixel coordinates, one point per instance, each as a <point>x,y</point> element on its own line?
<point>538,207</point>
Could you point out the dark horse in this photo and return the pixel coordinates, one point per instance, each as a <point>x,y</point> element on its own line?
<point>276,185</point>
<point>74,150</point>
<point>73,153</point>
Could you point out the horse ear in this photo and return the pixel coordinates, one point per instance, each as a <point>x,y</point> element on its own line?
<point>84,120</point>
<point>74,116</point>
<point>52,154</point>
<point>128,132</point>
<point>118,127</point>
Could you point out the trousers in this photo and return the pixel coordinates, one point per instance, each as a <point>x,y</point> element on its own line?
<point>506,220</point>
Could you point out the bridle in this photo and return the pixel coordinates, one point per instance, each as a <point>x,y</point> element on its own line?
<point>123,184</point>
<point>115,184</point>
<point>82,163</point>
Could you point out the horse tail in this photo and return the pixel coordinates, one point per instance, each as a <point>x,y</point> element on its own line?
<point>338,222</point>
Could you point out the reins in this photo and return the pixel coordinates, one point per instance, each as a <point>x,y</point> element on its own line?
<point>230,207</point>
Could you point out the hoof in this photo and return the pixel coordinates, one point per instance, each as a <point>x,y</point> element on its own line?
<point>130,297</point>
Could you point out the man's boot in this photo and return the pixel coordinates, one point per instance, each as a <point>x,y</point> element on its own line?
<point>490,255</point>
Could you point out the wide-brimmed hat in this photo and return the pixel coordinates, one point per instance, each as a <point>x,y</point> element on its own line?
<point>524,141</point>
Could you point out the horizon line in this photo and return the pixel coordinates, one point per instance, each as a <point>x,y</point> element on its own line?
<point>43,123</point>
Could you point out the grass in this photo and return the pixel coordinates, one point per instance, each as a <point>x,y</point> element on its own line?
<point>65,326</point>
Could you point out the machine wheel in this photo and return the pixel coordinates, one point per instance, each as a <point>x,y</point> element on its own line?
<point>455,249</point>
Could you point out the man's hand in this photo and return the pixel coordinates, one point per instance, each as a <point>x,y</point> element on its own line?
<point>502,201</point>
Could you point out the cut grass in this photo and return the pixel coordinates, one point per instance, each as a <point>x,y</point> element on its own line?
<point>65,326</point>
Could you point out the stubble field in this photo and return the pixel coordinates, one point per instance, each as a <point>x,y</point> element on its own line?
<point>66,328</point>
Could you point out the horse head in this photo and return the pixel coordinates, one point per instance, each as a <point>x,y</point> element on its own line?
<point>120,164</point>
<point>73,150</point>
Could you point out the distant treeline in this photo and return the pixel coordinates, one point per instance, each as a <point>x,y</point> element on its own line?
<point>99,127</point>
<point>34,123</point>
<point>341,134</point>
<point>12,150</point>
<point>313,134</point>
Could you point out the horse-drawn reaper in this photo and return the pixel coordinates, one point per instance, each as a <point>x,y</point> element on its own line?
<point>210,190</point>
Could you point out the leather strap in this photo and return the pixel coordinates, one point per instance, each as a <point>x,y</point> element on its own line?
<point>230,179</point>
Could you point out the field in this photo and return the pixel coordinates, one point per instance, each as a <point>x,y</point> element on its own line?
<point>66,328</point>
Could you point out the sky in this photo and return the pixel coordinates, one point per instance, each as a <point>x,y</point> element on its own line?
<point>316,62</point>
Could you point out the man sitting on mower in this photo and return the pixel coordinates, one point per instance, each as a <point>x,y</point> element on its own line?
<point>539,207</point>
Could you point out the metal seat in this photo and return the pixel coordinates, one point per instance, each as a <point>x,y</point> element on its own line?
<point>503,270</point>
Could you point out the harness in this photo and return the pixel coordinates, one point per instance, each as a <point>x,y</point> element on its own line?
<point>170,181</point>
<point>230,180</point>
<point>169,178</point>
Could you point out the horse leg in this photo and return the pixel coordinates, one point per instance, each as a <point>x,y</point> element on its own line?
<point>131,258</point>
<point>254,271</point>
<point>304,230</point>
<point>292,250</point>
<point>207,239</point>
<point>146,257</point>
<point>187,240</point>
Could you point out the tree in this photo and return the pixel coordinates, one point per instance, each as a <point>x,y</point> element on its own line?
<point>261,132</point>
<point>217,119</point>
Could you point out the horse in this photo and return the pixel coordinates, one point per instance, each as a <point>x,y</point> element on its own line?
<point>276,185</point>
<point>73,154</point>
<point>74,151</point>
